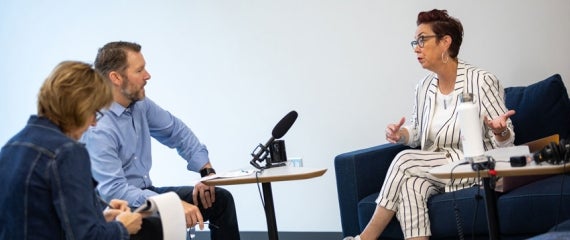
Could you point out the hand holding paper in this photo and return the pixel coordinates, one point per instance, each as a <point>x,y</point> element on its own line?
<point>169,207</point>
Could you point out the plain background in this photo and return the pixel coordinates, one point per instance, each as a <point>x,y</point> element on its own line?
<point>232,69</point>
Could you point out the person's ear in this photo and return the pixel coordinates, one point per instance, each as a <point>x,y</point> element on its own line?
<point>115,78</point>
<point>447,40</point>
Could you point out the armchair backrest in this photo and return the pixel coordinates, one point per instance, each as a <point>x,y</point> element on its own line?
<point>542,109</point>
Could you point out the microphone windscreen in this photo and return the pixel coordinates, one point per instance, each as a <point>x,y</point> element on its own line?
<point>284,124</point>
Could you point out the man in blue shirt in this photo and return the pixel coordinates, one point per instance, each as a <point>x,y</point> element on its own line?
<point>120,145</point>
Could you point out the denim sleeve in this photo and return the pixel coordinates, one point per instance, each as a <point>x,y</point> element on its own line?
<point>74,197</point>
<point>172,132</point>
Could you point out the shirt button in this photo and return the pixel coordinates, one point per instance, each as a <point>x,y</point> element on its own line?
<point>447,155</point>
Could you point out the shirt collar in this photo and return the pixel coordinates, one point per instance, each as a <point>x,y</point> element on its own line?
<point>117,108</point>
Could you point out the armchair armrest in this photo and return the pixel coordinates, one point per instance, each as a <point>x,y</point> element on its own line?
<point>360,173</point>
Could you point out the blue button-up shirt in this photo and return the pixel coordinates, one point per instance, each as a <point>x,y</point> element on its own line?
<point>120,148</point>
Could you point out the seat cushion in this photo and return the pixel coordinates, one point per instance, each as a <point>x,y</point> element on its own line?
<point>542,109</point>
<point>471,211</point>
<point>543,204</point>
<point>562,227</point>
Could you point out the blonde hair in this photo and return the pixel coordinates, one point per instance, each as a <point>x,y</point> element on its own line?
<point>72,93</point>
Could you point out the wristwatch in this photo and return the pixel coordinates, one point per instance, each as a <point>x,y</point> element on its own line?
<point>503,133</point>
<point>207,171</point>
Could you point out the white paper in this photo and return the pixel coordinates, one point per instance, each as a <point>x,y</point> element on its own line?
<point>230,174</point>
<point>237,173</point>
<point>169,208</point>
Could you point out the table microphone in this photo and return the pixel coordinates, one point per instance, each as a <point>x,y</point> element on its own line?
<point>278,132</point>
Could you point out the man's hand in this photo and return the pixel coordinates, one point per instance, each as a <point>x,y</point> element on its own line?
<point>207,195</point>
<point>193,215</point>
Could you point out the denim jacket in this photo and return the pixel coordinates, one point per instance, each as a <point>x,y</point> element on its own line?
<point>46,188</point>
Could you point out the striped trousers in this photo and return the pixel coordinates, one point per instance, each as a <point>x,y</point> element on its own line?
<point>408,186</point>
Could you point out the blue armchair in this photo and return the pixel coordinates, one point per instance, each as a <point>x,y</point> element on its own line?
<point>543,109</point>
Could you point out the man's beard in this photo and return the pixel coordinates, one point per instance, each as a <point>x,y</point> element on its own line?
<point>133,96</point>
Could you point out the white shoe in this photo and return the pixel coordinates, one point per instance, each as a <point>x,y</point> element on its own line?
<point>352,238</point>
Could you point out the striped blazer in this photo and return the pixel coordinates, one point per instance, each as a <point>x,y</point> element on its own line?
<point>488,95</point>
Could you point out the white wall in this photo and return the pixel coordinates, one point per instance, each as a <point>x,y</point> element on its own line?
<point>232,69</point>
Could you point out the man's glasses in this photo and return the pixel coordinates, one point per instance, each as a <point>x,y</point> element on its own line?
<point>421,41</point>
<point>98,115</point>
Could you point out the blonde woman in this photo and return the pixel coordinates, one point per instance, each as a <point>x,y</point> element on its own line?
<point>45,173</point>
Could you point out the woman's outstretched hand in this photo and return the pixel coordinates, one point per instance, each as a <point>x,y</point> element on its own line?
<point>499,124</point>
<point>393,131</point>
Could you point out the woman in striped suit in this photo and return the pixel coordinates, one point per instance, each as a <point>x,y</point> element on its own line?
<point>434,127</point>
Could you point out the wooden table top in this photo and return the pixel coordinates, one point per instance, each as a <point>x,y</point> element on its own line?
<point>275,174</point>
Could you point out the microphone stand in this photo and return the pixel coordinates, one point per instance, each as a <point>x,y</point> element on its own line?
<point>262,155</point>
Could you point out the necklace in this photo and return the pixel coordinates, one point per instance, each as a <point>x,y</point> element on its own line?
<point>447,100</point>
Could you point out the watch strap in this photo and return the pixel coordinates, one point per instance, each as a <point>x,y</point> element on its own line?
<point>207,171</point>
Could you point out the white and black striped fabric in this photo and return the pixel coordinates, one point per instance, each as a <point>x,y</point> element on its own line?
<point>408,186</point>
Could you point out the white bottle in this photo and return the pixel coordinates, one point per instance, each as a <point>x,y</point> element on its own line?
<point>471,130</point>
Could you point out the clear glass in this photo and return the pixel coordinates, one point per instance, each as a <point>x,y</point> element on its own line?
<point>191,233</point>
<point>295,162</point>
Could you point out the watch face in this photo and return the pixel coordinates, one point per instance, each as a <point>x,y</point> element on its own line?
<point>504,133</point>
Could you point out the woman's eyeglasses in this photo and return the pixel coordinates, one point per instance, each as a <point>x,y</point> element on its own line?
<point>421,41</point>
<point>98,115</point>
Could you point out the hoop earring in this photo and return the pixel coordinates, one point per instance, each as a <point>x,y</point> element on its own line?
<point>446,59</point>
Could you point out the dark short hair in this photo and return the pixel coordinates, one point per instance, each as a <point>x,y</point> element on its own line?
<point>113,57</point>
<point>442,24</point>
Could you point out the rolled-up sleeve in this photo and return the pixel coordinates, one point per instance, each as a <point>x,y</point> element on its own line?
<point>172,132</point>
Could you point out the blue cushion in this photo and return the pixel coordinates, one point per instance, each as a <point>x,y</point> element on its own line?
<point>471,211</point>
<point>552,236</point>
<point>542,109</point>
<point>562,227</point>
<point>543,203</point>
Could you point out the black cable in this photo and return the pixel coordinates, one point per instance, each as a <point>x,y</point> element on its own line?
<point>557,219</point>
<point>478,198</point>
<point>259,189</point>
<point>456,211</point>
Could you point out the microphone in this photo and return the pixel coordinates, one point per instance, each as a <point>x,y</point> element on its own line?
<point>284,125</point>
<point>278,132</point>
